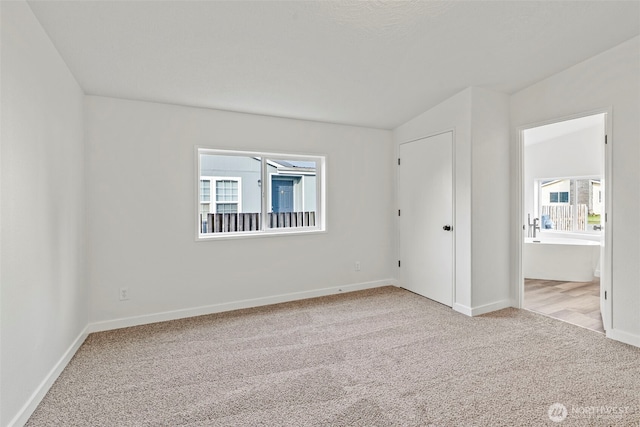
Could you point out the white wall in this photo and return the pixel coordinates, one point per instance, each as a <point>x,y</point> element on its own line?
<point>43,291</point>
<point>609,80</point>
<point>578,154</point>
<point>481,146</point>
<point>141,154</point>
<point>490,218</point>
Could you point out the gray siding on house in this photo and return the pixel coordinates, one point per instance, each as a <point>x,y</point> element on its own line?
<point>309,183</point>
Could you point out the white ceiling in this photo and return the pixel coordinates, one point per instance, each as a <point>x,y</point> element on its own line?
<point>369,63</point>
<point>567,127</point>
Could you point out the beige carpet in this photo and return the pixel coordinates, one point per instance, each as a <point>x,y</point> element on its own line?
<point>382,357</point>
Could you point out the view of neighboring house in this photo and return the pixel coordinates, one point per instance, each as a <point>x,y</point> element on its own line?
<point>581,191</point>
<point>570,204</point>
<point>556,191</point>
<point>233,184</point>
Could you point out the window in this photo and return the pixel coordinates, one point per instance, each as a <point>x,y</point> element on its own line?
<point>251,193</point>
<point>559,197</point>
<point>569,204</point>
<point>225,197</point>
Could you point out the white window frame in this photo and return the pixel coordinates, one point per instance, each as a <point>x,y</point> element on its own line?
<point>212,184</point>
<point>538,204</point>
<point>265,158</point>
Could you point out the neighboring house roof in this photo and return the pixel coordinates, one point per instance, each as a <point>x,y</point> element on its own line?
<point>297,164</point>
<point>293,166</point>
<point>555,181</point>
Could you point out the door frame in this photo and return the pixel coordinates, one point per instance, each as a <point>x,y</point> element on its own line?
<point>519,224</point>
<point>453,202</point>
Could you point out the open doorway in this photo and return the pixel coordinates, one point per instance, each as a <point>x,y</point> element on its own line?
<point>564,261</point>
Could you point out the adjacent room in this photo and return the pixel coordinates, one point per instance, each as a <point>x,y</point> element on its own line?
<point>564,166</point>
<point>319,213</point>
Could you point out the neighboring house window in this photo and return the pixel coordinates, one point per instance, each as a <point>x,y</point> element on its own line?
<point>559,197</point>
<point>205,198</point>
<point>219,195</point>
<point>249,193</point>
<point>227,196</point>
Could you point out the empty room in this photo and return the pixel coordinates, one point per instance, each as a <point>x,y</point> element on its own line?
<point>319,213</point>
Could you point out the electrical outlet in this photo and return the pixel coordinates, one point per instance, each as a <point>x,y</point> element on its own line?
<point>124,294</point>
<point>357,266</point>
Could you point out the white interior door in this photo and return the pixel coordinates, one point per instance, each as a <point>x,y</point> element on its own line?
<point>426,217</point>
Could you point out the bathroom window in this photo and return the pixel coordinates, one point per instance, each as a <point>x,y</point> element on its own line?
<point>243,194</point>
<point>569,204</point>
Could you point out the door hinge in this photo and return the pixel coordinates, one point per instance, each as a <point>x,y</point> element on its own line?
<point>605,139</point>
<point>605,217</point>
<point>398,263</point>
<point>605,294</point>
<point>398,212</point>
<point>398,161</point>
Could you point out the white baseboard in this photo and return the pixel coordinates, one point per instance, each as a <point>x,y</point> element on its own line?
<point>36,397</point>
<point>235,305</point>
<point>488,308</point>
<point>462,309</point>
<point>624,337</point>
<point>483,309</point>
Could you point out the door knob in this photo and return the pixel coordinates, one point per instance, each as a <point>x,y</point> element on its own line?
<point>447,228</point>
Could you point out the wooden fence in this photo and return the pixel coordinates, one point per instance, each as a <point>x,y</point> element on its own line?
<point>563,217</point>
<point>234,222</point>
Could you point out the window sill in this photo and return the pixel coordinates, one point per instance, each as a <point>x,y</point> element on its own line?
<point>258,234</point>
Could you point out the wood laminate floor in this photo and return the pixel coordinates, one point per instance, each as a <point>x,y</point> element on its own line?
<point>573,302</point>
